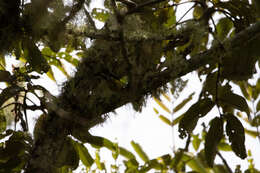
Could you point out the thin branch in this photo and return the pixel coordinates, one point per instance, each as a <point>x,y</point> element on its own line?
<point>92,23</point>
<point>225,162</point>
<point>142,5</point>
<point>187,143</point>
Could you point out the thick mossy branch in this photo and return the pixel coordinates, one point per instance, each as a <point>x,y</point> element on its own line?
<point>103,83</point>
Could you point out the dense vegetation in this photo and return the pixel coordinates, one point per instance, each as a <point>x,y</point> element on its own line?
<point>141,51</point>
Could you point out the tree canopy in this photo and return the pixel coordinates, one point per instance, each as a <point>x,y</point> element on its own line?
<point>142,50</point>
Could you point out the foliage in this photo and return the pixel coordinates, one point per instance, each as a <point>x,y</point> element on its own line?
<point>142,50</point>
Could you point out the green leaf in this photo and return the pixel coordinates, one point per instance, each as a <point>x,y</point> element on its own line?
<point>100,14</point>
<point>171,18</point>
<point>224,146</point>
<point>177,120</point>
<point>198,12</point>
<point>223,28</point>
<point>183,103</point>
<point>50,74</point>
<point>9,92</point>
<point>156,111</point>
<point>196,141</point>
<point>167,97</point>
<point>243,88</point>
<point>100,165</point>
<point>84,155</point>
<point>212,140</point>
<point>194,163</point>
<point>162,105</point>
<point>252,133</point>
<point>34,57</point>
<point>235,132</point>
<point>126,153</point>
<point>191,117</point>
<point>138,149</point>
<point>165,120</point>
<point>233,100</point>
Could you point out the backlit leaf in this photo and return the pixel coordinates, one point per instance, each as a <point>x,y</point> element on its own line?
<point>224,147</point>
<point>196,141</point>
<point>235,132</point>
<point>252,133</point>
<point>212,140</point>
<point>162,105</point>
<point>194,163</point>
<point>50,74</point>
<point>165,120</point>
<point>84,155</point>
<point>167,97</point>
<point>100,14</point>
<point>138,149</point>
<point>183,103</point>
<point>156,111</point>
<point>177,120</point>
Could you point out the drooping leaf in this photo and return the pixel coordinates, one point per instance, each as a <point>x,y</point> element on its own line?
<point>226,96</point>
<point>165,120</point>
<point>84,155</point>
<point>183,103</point>
<point>126,153</point>
<point>162,105</point>
<point>236,133</point>
<point>34,57</point>
<point>191,117</point>
<point>138,149</point>
<point>212,140</point>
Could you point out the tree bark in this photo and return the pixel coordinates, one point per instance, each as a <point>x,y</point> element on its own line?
<point>61,123</point>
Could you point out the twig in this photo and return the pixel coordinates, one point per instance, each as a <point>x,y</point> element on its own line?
<point>92,23</point>
<point>187,143</point>
<point>224,161</point>
<point>142,5</point>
